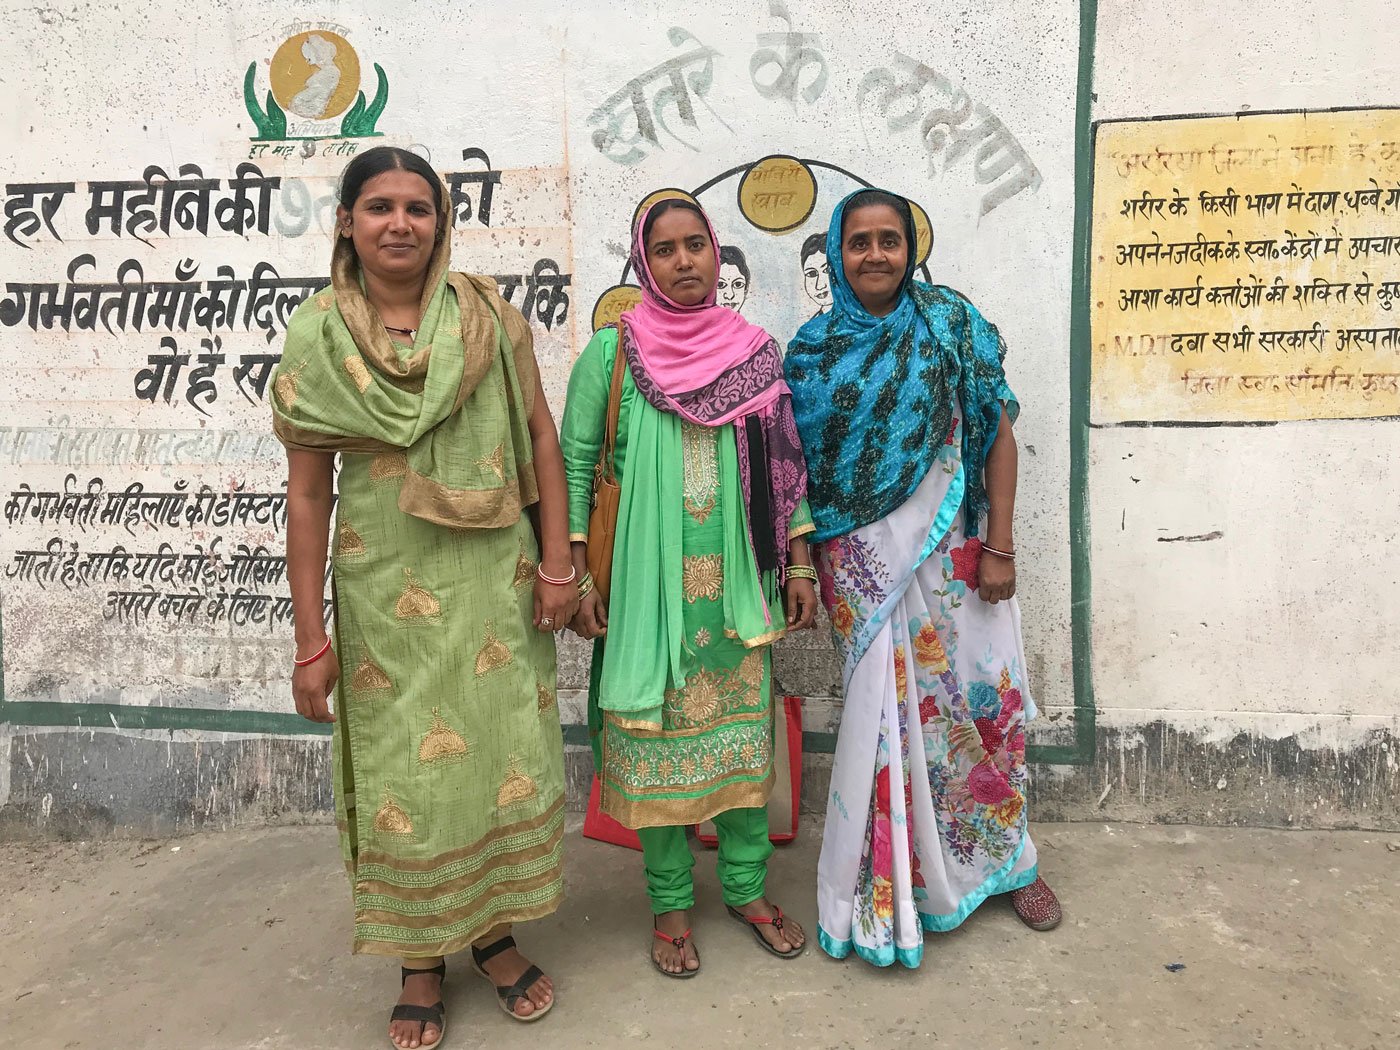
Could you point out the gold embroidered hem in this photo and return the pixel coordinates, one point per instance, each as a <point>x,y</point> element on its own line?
<point>664,813</point>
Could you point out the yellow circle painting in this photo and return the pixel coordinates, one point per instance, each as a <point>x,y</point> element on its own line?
<point>777,194</point>
<point>923,234</point>
<point>315,75</point>
<point>660,195</point>
<point>616,301</point>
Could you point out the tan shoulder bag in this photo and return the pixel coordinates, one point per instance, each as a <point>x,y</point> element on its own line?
<point>607,494</point>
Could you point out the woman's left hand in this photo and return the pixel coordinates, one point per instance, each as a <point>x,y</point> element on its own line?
<point>996,578</point>
<point>555,604</point>
<point>801,599</point>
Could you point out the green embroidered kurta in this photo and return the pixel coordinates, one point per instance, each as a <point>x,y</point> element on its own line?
<point>704,743</point>
<point>447,755</point>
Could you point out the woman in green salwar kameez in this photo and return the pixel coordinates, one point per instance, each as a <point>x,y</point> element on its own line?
<point>448,756</point>
<point>709,533</point>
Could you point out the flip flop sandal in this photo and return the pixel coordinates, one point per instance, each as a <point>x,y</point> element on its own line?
<point>755,921</point>
<point>428,1015</point>
<point>679,942</point>
<point>508,995</point>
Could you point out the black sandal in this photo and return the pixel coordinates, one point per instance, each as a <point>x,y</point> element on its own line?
<point>755,921</point>
<point>428,1015</point>
<point>679,943</point>
<point>507,996</point>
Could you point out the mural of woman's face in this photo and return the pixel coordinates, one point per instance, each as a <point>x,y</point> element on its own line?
<point>732,287</point>
<point>681,256</point>
<point>816,280</point>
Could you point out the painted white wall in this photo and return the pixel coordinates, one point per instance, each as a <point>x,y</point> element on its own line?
<point>120,89</point>
<point>1255,632</point>
<point>1290,622</point>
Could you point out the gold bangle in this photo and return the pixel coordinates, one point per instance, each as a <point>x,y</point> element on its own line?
<point>585,585</point>
<point>802,572</point>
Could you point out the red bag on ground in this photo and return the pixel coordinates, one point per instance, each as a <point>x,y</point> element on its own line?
<point>598,825</point>
<point>783,804</point>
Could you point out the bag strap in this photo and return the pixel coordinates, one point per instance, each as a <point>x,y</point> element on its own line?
<point>605,462</point>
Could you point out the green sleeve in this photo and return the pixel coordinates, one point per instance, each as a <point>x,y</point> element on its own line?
<point>801,523</point>
<point>585,415</point>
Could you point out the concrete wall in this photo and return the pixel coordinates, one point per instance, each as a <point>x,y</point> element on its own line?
<point>1241,679</point>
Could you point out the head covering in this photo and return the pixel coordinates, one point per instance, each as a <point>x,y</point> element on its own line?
<point>874,397</point>
<point>686,350</point>
<point>710,367</point>
<point>344,386</point>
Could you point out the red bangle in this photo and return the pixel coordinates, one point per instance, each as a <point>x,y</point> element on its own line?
<point>545,578</point>
<point>312,659</point>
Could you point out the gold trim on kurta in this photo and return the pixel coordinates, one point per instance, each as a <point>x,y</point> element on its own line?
<point>388,465</point>
<point>664,812</point>
<point>286,386</point>
<point>545,698</point>
<point>801,530</point>
<point>517,788</point>
<point>505,887</point>
<point>700,458</point>
<point>493,654</point>
<point>524,569</point>
<point>437,949</point>
<point>379,858</point>
<point>493,508</point>
<point>495,462</point>
<point>441,742</point>
<point>348,543</point>
<point>391,819</point>
<point>358,371</point>
<point>702,576</point>
<point>416,602</point>
<point>369,677</point>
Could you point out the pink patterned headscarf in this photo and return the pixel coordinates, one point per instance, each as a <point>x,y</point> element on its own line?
<point>707,365</point>
<point>708,349</point>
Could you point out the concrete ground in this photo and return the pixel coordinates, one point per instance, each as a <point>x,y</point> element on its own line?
<point>240,940</point>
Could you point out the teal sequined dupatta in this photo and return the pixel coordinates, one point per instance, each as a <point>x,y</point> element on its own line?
<point>874,397</point>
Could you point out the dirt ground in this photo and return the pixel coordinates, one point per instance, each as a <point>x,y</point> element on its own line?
<point>241,940</point>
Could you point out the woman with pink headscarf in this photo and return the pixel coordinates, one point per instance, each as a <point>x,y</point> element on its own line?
<point>710,568</point>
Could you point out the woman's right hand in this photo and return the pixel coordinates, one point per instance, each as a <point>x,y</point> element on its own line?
<point>312,686</point>
<point>591,621</point>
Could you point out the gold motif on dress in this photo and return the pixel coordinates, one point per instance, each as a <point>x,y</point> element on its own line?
<point>441,742</point>
<point>285,386</point>
<point>349,544</point>
<point>516,789</point>
<point>369,677</point>
<point>750,670</point>
<point>700,456</point>
<point>702,576</point>
<point>325,301</point>
<point>391,819</point>
<point>387,466</point>
<point>358,371</point>
<point>495,462</point>
<point>702,637</point>
<point>416,603</point>
<point>524,569</point>
<point>545,697</point>
<point>493,654</point>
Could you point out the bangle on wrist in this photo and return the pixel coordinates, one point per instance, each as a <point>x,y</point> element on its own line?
<point>1008,555</point>
<point>585,586</point>
<point>801,572</point>
<point>556,582</point>
<point>312,659</point>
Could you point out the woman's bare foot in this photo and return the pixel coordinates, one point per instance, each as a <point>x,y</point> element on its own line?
<point>787,939</point>
<point>674,925</point>
<point>423,989</point>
